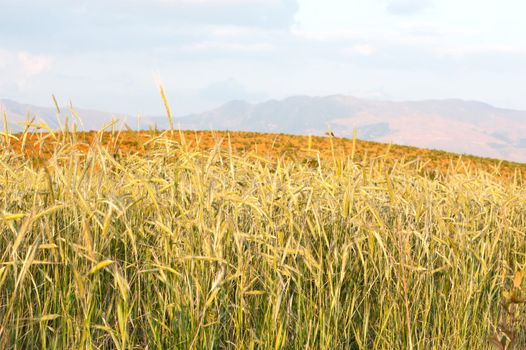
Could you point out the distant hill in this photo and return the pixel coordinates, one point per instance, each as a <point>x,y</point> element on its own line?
<point>452,125</point>
<point>17,114</point>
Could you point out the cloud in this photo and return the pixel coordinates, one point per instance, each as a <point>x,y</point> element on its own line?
<point>362,49</point>
<point>250,13</point>
<point>326,36</point>
<point>133,25</point>
<point>465,51</point>
<point>18,68</point>
<point>228,90</point>
<point>217,2</point>
<point>408,7</point>
<point>208,46</point>
<point>33,64</point>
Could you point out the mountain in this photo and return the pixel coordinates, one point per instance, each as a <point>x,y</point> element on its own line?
<point>452,125</point>
<point>17,114</point>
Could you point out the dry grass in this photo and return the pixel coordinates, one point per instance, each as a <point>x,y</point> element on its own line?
<point>305,149</point>
<point>166,244</point>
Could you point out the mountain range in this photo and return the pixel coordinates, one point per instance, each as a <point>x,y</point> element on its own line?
<point>452,125</point>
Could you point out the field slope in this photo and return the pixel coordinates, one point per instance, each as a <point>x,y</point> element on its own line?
<point>304,149</point>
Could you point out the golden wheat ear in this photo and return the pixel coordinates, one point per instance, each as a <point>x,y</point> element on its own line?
<point>167,108</point>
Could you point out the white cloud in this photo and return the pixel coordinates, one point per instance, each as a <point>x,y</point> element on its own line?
<point>233,31</point>
<point>33,64</point>
<point>405,7</point>
<point>325,36</point>
<point>228,90</point>
<point>362,49</point>
<point>19,67</point>
<point>227,46</point>
<point>217,2</point>
<point>463,51</point>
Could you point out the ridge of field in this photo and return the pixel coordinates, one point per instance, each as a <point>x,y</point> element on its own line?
<point>107,242</point>
<point>274,146</point>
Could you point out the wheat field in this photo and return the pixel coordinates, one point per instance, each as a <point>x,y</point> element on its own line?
<point>181,248</point>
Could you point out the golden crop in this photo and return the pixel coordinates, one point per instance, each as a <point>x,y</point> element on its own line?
<point>172,241</point>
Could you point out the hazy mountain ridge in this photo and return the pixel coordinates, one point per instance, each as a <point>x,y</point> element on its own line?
<point>18,113</point>
<point>452,125</point>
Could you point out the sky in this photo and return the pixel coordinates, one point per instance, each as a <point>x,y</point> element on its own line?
<point>109,55</point>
